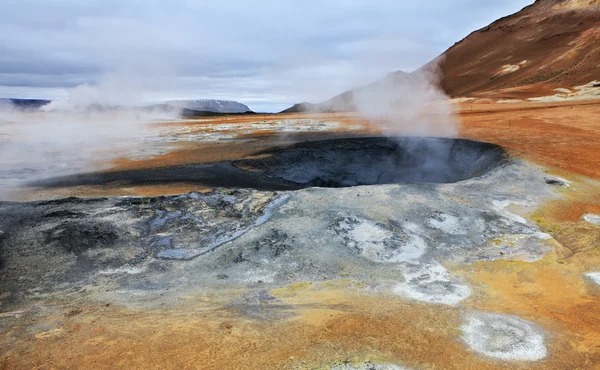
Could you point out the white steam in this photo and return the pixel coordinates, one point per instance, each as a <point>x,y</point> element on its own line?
<point>113,91</point>
<point>83,133</point>
<point>407,104</point>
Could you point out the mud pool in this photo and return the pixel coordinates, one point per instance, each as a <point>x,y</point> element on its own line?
<point>394,241</point>
<point>327,163</point>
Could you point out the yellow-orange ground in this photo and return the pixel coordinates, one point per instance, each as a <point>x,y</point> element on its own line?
<point>339,321</point>
<point>564,136</point>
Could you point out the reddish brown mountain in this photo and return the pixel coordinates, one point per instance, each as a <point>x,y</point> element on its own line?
<point>550,44</point>
<point>546,45</point>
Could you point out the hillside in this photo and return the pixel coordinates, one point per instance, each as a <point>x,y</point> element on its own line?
<point>345,101</point>
<point>548,45</point>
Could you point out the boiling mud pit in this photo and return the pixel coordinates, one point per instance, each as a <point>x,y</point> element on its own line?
<point>438,203</point>
<point>371,161</point>
<point>328,163</point>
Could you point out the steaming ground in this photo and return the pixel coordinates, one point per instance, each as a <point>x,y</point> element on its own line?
<point>38,145</point>
<point>483,273</point>
<point>393,241</point>
<point>43,145</point>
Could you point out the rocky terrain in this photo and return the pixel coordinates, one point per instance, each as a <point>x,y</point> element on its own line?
<point>252,261</point>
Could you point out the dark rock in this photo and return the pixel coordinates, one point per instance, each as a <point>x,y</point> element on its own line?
<point>78,237</point>
<point>556,181</point>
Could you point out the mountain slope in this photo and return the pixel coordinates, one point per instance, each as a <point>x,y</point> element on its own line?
<point>346,100</point>
<point>550,44</point>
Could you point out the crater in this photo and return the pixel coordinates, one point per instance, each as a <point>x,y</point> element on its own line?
<point>371,161</point>
<point>327,163</point>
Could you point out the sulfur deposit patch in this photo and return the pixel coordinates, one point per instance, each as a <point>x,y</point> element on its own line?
<point>594,276</point>
<point>380,243</point>
<point>592,219</point>
<point>431,283</point>
<point>511,68</point>
<point>503,337</point>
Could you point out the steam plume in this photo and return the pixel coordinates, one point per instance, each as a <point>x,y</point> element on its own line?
<point>82,133</point>
<point>409,104</point>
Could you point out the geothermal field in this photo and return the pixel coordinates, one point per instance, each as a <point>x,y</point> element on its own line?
<point>444,219</point>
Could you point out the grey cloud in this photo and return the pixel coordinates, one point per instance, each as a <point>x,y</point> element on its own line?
<point>268,51</point>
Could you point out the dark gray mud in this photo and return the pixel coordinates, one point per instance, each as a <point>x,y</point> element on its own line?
<point>328,163</point>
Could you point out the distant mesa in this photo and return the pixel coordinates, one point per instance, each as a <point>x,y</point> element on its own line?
<point>211,105</point>
<point>22,104</point>
<point>190,113</point>
<point>208,107</point>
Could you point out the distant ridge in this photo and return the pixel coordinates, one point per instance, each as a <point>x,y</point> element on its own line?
<point>185,108</point>
<point>306,107</point>
<point>211,105</point>
<point>345,101</point>
<point>23,104</point>
<point>190,113</point>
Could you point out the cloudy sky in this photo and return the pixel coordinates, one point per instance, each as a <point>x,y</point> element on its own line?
<point>266,53</point>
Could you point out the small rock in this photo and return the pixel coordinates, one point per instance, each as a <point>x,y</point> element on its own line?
<point>557,181</point>
<point>239,258</point>
<point>72,313</point>
<point>226,326</point>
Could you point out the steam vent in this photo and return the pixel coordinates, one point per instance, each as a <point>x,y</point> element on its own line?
<point>447,218</point>
<point>372,161</point>
<point>355,239</point>
<point>327,163</point>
